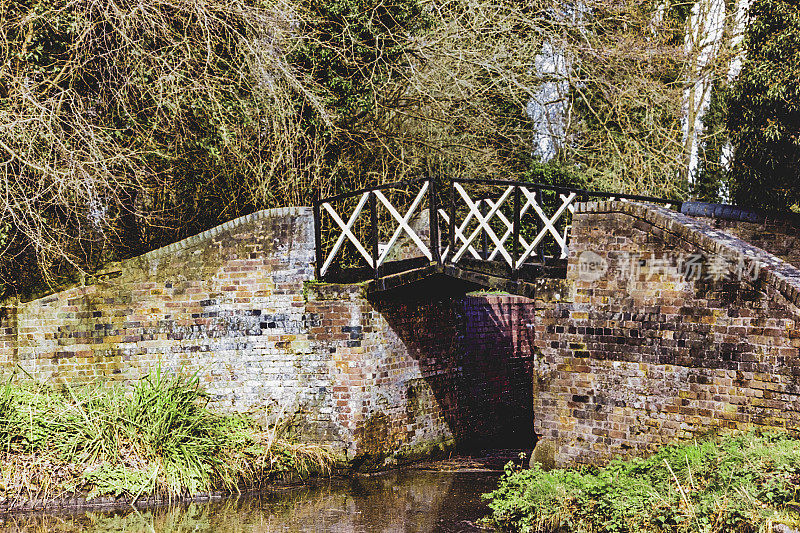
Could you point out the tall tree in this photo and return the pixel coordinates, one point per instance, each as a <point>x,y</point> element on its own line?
<point>125,124</point>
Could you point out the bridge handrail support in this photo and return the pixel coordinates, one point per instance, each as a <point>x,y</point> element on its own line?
<point>373,220</point>
<point>577,191</point>
<point>515,237</point>
<point>433,223</point>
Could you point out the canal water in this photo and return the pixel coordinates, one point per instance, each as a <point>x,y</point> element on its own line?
<point>440,497</point>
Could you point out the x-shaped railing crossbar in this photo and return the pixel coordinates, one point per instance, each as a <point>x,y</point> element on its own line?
<point>380,251</point>
<point>403,224</point>
<point>346,232</point>
<point>548,223</point>
<point>514,238</point>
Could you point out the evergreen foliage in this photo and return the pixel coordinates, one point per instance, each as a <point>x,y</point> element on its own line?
<point>349,51</point>
<point>712,183</point>
<point>764,109</point>
<point>354,46</point>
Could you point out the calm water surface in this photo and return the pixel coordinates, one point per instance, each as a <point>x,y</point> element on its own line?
<point>411,500</point>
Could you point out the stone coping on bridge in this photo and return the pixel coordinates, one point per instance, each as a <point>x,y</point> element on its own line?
<point>188,242</point>
<point>772,270</point>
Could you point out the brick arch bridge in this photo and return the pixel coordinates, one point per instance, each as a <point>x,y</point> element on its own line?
<point>625,324</point>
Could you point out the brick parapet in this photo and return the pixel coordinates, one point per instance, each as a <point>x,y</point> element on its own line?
<point>610,366</point>
<point>781,238</point>
<point>227,304</point>
<point>699,233</point>
<point>8,335</point>
<point>652,357</point>
<point>205,236</point>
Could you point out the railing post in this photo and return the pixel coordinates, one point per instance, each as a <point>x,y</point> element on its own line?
<point>433,221</point>
<point>540,224</point>
<point>317,239</point>
<point>452,229</point>
<point>373,220</point>
<point>515,236</point>
<point>483,208</point>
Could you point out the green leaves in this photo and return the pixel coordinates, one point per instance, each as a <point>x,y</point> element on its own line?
<point>764,109</point>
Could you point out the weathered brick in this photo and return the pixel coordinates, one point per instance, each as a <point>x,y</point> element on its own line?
<point>700,342</point>
<point>376,377</point>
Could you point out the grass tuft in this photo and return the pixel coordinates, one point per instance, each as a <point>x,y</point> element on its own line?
<point>159,437</point>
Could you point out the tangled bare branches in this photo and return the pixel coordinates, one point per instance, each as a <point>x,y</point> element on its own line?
<point>614,78</point>
<point>117,117</point>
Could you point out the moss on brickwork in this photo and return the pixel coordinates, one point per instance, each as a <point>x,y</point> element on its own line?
<point>317,290</point>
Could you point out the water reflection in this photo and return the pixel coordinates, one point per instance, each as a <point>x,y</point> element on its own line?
<point>419,501</point>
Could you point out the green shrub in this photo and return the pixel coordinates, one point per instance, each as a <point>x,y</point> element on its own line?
<point>764,109</point>
<point>737,483</point>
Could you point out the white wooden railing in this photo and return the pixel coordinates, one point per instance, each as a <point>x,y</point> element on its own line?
<point>514,223</point>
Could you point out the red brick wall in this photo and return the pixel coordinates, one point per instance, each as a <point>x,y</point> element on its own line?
<point>617,365</point>
<point>8,332</point>
<point>498,349</point>
<point>633,361</point>
<point>781,238</point>
<point>379,378</point>
<point>426,368</point>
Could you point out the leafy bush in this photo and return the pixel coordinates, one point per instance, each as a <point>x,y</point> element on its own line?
<point>736,483</point>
